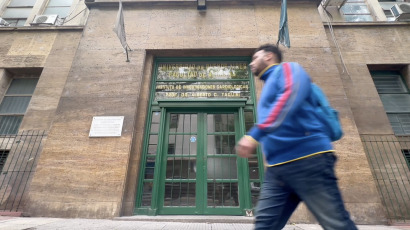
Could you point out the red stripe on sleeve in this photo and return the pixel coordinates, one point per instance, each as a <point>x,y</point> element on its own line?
<point>282,100</point>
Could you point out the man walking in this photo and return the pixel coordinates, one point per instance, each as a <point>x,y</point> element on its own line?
<point>299,155</point>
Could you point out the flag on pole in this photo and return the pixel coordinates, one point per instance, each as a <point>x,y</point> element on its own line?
<point>283,26</point>
<point>119,27</point>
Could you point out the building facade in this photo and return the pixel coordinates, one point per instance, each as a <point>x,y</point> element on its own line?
<point>182,96</point>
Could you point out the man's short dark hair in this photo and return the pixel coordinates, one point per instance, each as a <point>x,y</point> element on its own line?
<point>271,48</point>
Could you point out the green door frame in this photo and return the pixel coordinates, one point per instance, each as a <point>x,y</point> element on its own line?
<point>161,107</point>
<point>201,196</point>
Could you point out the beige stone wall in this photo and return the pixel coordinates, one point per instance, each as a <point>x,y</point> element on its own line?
<point>379,47</point>
<point>80,176</point>
<point>44,54</point>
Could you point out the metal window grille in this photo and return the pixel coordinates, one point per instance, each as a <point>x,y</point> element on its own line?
<point>18,160</point>
<point>388,158</point>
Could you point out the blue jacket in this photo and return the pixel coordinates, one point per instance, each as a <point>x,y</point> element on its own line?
<point>287,126</point>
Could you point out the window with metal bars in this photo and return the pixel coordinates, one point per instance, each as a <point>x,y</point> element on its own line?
<point>15,103</point>
<point>406,154</point>
<point>356,11</point>
<point>3,157</point>
<point>395,97</point>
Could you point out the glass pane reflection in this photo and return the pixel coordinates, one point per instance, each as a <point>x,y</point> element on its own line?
<point>181,168</point>
<point>255,189</point>
<point>147,194</point>
<point>222,168</point>
<point>179,194</point>
<point>221,123</point>
<point>222,194</point>
<point>183,123</point>
<point>182,144</point>
<point>221,144</point>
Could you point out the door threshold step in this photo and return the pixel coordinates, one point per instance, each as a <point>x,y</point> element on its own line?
<point>188,219</point>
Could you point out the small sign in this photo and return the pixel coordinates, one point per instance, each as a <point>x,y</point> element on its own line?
<point>106,126</point>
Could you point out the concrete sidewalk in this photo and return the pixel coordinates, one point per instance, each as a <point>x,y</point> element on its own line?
<point>154,223</point>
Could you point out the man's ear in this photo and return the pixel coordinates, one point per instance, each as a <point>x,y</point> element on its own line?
<point>269,56</point>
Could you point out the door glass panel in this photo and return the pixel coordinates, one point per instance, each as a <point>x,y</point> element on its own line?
<point>152,149</point>
<point>153,139</point>
<point>182,144</point>
<point>183,123</point>
<point>147,194</point>
<point>181,168</point>
<point>222,194</point>
<point>249,121</point>
<point>221,144</point>
<point>221,123</point>
<point>156,116</point>
<point>255,189</point>
<point>222,168</point>
<point>149,168</point>
<point>179,194</point>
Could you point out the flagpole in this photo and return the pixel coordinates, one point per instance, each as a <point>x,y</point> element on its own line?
<point>119,29</point>
<point>126,51</point>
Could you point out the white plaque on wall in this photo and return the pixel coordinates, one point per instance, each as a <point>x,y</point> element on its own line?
<point>106,126</point>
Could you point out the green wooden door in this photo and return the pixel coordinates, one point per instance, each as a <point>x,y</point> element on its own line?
<point>199,164</point>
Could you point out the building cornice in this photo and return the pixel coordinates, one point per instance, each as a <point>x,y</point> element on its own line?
<point>40,28</point>
<point>377,23</point>
<point>100,3</point>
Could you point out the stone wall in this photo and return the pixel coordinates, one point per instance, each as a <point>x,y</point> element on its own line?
<point>42,53</point>
<point>376,47</point>
<point>87,177</point>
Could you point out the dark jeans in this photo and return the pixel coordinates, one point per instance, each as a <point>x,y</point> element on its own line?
<point>311,180</point>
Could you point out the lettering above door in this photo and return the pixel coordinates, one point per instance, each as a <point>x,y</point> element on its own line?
<point>202,80</point>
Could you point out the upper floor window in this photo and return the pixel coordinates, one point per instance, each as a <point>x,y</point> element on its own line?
<point>59,7</point>
<point>395,97</point>
<point>17,12</point>
<point>356,11</point>
<point>15,103</point>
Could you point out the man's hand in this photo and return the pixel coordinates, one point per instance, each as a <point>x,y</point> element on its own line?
<point>246,147</point>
